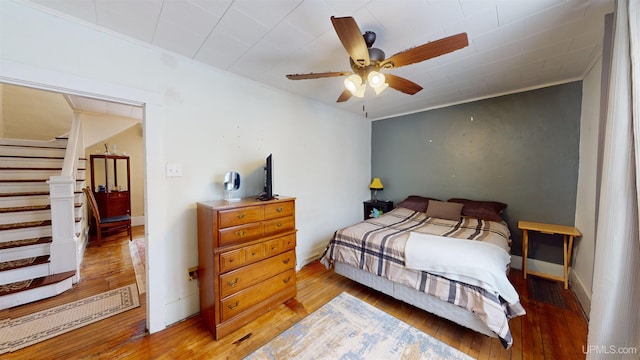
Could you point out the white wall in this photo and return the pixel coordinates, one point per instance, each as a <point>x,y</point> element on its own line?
<point>1,110</point>
<point>584,248</point>
<point>208,121</point>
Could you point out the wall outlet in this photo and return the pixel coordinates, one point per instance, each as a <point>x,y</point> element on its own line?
<point>193,273</point>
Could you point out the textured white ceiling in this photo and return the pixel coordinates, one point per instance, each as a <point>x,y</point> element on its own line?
<point>513,45</point>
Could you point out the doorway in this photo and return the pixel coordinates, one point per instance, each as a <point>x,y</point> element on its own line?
<point>49,112</point>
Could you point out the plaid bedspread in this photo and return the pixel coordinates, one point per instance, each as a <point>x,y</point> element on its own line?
<point>377,246</point>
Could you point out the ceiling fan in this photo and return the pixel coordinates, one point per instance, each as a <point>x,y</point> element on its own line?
<point>367,61</point>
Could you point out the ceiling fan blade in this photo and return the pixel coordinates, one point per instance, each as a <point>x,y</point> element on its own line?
<point>351,38</point>
<point>346,95</point>
<point>402,84</point>
<point>317,75</point>
<point>427,51</point>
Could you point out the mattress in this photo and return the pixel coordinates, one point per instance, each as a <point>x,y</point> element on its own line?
<point>376,247</point>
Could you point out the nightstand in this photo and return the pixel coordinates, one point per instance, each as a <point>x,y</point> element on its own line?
<point>567,232</point>
<point>382,206</point>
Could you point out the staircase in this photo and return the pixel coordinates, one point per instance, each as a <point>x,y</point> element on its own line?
<point>26,242</point>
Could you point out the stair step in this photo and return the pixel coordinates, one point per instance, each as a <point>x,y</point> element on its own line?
<point>22,181</point>
<point>31,208</point>
<point>32,193</point>
<point>30,180</point>
<point>25,242</point>
<point>25,219</point>
<point>25,233</point>
<point>57,143</point>
<point>24,225</point>
<point>22,263</point>
<point>25,208</point>
<point>34,283</point>
<point>29,193</point>
<point>24,247</point>
<point>14,174</point>
<point>22,217</point>
<point>29,186</point>
<point>35,162</point>
<point>32,151</point>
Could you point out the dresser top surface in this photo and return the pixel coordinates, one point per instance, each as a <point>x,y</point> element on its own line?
<point>250,201</point>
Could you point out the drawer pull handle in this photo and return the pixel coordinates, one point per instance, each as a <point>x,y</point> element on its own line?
<point>286,280</point>
<point>286,261</point>
<point>253,253</point>
<point>240,233</point>
<point>233,283</point>
<point>241,216</point>
<point>233,306</point>
<point>279,224</point>
<point>230,260</point>
<point>279,209</point>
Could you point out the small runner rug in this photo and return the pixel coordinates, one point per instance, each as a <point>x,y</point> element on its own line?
<point>18,333</point>
<point>348,328</point>
<point>138,257</point>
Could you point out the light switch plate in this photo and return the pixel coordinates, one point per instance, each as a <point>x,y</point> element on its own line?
<point>174,170</point>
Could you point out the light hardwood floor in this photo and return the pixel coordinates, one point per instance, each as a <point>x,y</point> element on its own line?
<point>546,332</point>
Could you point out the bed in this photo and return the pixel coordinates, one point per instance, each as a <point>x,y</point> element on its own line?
<point>448,258</point>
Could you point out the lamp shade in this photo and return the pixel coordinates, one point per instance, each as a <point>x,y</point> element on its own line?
<point>376,184</point>
<point>354,84</point>
<point>377,81</point>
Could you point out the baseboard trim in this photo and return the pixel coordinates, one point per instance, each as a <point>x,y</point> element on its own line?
<point>538,266</point>
<point>582,294</point>
<point>575,283</point>
<point>137,220</point>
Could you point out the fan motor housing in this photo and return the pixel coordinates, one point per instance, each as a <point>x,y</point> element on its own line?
<point>375,57</point>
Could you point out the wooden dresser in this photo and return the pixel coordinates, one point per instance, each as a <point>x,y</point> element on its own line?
<point>247,260</point>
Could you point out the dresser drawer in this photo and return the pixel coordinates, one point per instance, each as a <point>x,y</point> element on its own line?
<point>279,245</point>
<point>243,300</point>
<point>255,252</point>
<point>279,225</point>
<point>249,275</point>
<point>238,234</point>
<point>279,210</point>
<point>232,259</point>
<point>244,215</point>
<point>289,242</point>
<point>273,247</point>
<point>118,195</point>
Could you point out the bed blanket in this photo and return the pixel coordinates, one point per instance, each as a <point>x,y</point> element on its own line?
<point>471,262</point>
<point>378,246</point>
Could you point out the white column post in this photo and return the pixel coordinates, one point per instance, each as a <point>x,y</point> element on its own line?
<point>63,247</point>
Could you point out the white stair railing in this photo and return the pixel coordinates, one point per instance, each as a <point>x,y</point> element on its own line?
<point>65,252</point>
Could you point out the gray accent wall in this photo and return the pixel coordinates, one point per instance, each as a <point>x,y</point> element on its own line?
<point>520,149</point>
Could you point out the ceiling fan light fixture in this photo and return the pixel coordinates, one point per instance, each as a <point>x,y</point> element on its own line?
<point>377,81</point>
<point>354,84</point>
<point>379,89</point>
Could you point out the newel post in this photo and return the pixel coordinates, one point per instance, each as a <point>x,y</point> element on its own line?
<point>63,248</point>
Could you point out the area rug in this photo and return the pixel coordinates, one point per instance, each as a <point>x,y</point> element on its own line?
<point>138,256</point>
<point>18,333</point>
<point>348,328</point>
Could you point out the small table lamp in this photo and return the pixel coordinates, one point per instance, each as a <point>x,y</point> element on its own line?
<point>376,185</point>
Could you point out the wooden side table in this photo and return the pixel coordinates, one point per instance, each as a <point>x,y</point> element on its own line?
<point>568,233</point>
<point>384,206</point>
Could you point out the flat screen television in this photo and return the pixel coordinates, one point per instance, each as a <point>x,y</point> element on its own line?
<point>267,193</point>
